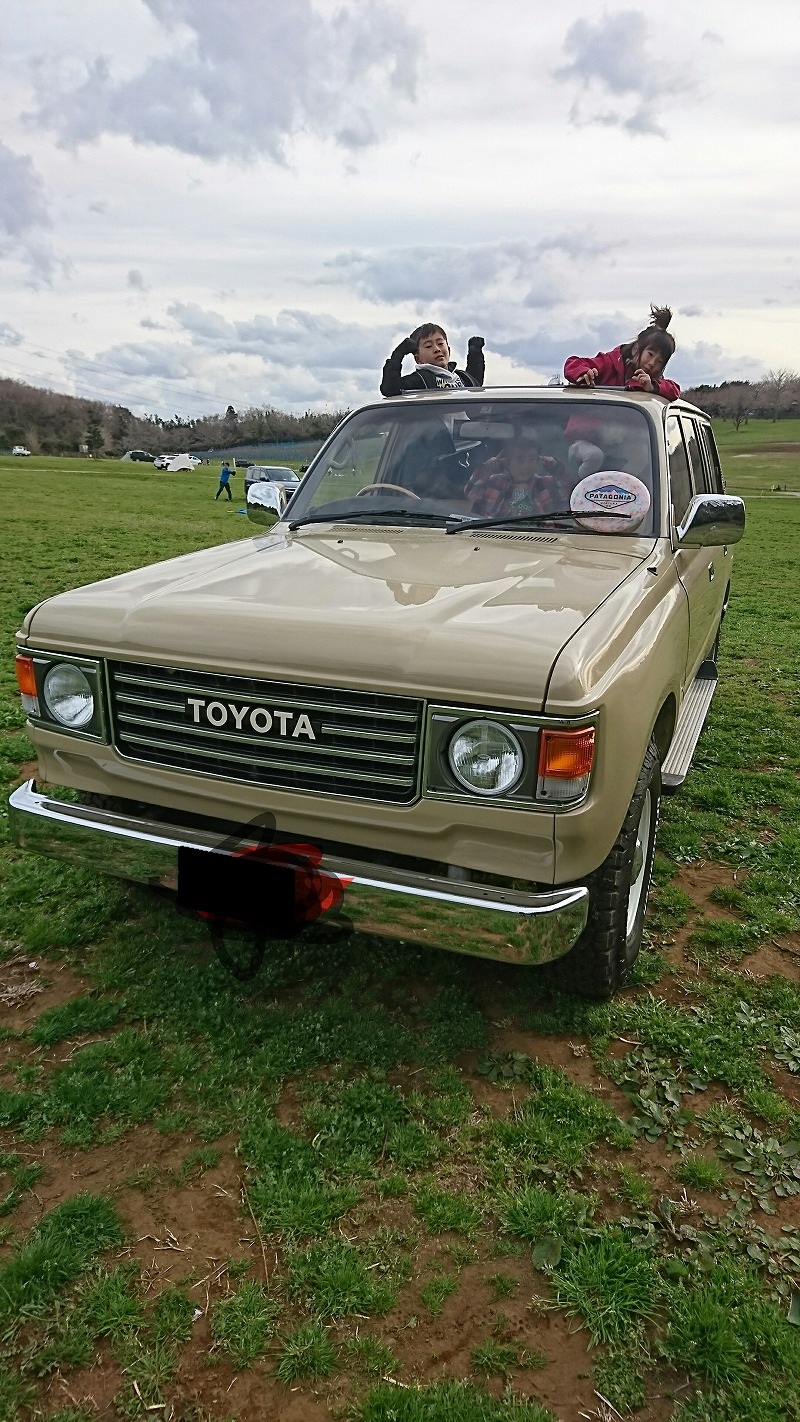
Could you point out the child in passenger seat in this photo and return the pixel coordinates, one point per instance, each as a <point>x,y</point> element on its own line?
<point>520,480</point>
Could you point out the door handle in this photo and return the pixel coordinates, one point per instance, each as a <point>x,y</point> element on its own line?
<point>711,572</point>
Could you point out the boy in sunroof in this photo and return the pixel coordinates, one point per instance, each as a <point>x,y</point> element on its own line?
<point>434,368</point>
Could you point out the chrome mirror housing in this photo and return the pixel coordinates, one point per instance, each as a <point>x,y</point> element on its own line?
<point>710,520</point>
<point>265,499</point>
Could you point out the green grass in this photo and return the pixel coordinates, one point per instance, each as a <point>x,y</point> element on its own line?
<point>16,1176</point>
<point>502,1286</point>
<point>307,1353</point>
<point>363,1092</point>
<point>496,1359</point>
<point>436,1292</point>
<point>440,1211</point>
<point>700,1172</point>
<point>243,1323</point>
<point>55,1253</point>
<point>608,1283</point>
<point>336,1278</point>
<point>446,1402</point>
<point>371,1356</point>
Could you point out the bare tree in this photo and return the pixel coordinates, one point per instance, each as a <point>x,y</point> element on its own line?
<point>775,387</point>
<point>735,400</point>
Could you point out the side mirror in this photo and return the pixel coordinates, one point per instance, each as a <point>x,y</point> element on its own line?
<point>710,520</point>
<point>263,500</point>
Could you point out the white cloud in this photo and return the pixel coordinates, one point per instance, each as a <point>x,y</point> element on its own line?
<point>318,342</point>
<point>9,336</point>
<point>244,76</point>
<point>707,363</point>
<point>24,216</point>
<point>535,271</point>
<point>136,280</point>
<point>613,55</point>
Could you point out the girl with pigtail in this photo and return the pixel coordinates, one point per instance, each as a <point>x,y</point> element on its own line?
<point>637,366</point>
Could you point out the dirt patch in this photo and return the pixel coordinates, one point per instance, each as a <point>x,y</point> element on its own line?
<point>90,1389</point>
<point>792,447</point>
<point>780,957</point>
<point>699,881</point>
<point>30,985</point>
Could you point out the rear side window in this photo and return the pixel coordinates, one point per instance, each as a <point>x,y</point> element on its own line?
<point>694,454</point>
<point>716,481</point>
<point>680,478</point>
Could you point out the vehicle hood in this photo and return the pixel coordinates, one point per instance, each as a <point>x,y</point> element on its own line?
<point>468,617</point>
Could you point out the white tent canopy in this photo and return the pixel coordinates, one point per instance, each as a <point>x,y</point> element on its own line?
<point>182,461</point>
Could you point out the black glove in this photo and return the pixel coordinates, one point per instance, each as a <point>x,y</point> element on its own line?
<point>475,343</point>
<point>406,347</point>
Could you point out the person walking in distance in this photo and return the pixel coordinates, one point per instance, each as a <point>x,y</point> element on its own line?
<point>224,482</point>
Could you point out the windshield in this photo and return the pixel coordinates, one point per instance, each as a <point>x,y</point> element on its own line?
<point>487,459</point>
<point>274,474</point>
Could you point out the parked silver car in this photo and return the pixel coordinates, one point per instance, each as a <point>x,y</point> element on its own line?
<point>272,474</point>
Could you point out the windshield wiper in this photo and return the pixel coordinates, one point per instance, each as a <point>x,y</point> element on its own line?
<point>499,522</point>
<point>420,516</point>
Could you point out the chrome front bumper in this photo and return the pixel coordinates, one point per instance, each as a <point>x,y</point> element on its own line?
<point>483,921</point>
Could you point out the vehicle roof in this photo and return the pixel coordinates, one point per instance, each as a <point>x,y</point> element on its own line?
<point>602,393</point>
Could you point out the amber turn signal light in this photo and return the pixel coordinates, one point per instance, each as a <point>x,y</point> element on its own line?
<point>26,675</point>
<point>566,755</point>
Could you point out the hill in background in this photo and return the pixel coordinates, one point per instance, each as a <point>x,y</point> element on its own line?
<point>50,423</point>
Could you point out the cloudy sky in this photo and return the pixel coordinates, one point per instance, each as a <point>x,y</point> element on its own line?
<point>206,202</point>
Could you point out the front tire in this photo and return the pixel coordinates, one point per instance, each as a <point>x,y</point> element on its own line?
<point>607,949</point>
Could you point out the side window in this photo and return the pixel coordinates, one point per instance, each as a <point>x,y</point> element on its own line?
<point>699,480</point>
<point>717,483</point>
<point>679,476</point>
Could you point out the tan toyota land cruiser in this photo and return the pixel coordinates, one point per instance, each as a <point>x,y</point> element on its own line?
<point>454,678</point>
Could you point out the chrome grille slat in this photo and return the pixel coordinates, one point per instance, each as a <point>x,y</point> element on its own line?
<point>236,738</point>
<point>408,716</point>
<point>261,760</point>
<point>367,746</point>
<point>404,737</point>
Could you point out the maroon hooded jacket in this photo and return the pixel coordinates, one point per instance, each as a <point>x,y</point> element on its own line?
<point>610,367</point>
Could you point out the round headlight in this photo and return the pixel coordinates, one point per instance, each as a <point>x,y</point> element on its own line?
<point>486,758</point>
<point>68,695</point>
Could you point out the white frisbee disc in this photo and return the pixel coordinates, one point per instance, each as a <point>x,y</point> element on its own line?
<point>611,491</point>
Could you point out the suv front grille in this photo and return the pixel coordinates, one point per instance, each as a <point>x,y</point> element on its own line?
<point>329,740</point>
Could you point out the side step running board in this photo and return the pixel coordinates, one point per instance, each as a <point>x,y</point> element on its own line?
<point>690,723</point>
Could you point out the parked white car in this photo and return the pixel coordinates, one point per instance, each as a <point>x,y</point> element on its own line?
<point>20,449</point>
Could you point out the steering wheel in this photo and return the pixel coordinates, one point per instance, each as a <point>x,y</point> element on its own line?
<point>379,488</point>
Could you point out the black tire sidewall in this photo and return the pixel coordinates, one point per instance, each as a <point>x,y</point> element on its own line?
<point>649,784</point>
<point>605,952</point>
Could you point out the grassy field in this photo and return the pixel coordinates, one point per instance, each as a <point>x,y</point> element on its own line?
<point>392,1186</point>
<point>759,456</point>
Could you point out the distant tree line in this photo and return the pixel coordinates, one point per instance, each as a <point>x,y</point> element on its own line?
<point>49,423</point>
<point>776,397</point>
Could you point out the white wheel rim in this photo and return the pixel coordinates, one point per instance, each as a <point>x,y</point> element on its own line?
<point>639,864</point>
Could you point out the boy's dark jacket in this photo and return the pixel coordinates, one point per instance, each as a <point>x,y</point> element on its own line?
<point>393,383</point>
